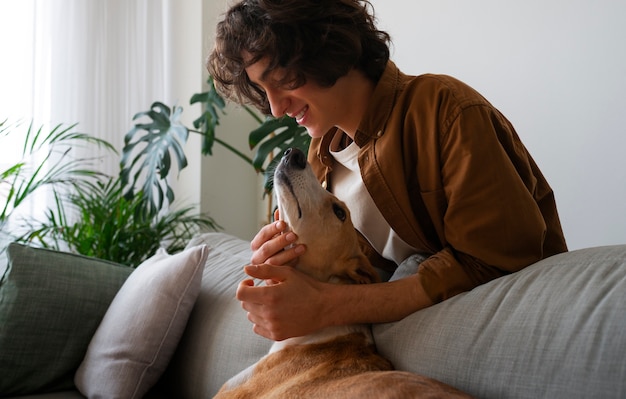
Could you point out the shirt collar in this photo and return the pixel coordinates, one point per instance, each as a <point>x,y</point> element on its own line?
<point>377,113</point>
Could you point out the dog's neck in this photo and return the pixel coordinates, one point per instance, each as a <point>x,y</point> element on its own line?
<point>323,335</point>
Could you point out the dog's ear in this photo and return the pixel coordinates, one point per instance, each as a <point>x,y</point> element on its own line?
<point>361,271</point>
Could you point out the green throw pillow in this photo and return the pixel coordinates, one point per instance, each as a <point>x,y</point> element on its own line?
<point>51,304</point>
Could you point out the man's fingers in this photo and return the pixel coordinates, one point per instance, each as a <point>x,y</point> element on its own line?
<point>247,283</point>
<point>266,233</point>
<point>246,290</point>
<point>272,251</point>
<point>265,272</point>
<point>288,256</point>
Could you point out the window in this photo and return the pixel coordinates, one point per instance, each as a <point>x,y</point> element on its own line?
<point>95,63</point>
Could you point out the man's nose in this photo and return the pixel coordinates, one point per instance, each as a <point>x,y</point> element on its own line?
<point>279,102</point>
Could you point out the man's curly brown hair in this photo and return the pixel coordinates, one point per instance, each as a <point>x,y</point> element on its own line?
<point>316,40</point>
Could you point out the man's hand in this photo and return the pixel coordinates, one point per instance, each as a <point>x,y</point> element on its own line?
<point>292,304</point>
<point>272,245</point>
<point>289,305</point>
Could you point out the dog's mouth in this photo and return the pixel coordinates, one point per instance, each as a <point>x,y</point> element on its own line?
<point>293,159</point>
<point>282,179</point>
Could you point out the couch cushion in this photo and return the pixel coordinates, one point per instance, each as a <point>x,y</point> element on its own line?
<point>50,306</point>
<point>218,341</point>
<point>556,329</point>
<point>142,327</point>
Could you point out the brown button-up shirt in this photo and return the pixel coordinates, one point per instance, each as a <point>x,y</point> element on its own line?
<point>451,177</point>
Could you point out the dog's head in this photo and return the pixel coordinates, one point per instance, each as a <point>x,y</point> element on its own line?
<point>322,222</point>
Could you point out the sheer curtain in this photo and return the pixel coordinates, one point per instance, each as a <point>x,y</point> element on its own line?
<point>99,62</point>
<point>91,62</point>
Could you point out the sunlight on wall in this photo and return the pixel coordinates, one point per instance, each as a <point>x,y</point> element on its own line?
<point>16,71</point>
<point>16,36</point>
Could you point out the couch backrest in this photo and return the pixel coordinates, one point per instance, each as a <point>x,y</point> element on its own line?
<point>556,329</point>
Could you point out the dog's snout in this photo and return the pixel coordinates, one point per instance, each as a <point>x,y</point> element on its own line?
<point>294,157</point>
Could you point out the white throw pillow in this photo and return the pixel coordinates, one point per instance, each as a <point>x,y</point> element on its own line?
<point>142,327</point>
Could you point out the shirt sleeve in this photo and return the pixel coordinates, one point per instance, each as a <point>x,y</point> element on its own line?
<point>492,224</point>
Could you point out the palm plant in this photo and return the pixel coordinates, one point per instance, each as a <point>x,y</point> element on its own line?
<point>90,214</point>
<point>45,160</point>
<point>97,220</point>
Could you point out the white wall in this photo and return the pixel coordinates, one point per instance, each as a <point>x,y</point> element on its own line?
<point>187,32</point>
<point>221,185</point>
<point>231,191</point>
<point>557,70</point>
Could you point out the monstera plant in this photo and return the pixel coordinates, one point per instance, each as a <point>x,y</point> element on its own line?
<point>158,138</point>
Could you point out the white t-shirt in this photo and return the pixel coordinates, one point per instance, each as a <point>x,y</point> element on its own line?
<point>348,186</point>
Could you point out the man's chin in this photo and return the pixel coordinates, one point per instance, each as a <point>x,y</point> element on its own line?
<point>315,132</point>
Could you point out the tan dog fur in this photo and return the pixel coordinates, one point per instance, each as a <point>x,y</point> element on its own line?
<point>336,362</point>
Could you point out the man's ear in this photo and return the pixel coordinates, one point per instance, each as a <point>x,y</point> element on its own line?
<point>361,271</point>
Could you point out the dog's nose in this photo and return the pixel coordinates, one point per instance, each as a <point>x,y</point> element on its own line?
<point>294,157</point>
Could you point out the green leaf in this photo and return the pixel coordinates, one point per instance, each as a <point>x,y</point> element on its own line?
<point>107,225</point>
<point>213,106</point>
<point>163,137</point>
<point>47,159</point>
<point>270,126</point>
<point>272,138</point>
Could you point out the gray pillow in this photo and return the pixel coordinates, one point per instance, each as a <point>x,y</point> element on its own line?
<point>142,327</point>
<point>50,306</point>
<point>556,329</point>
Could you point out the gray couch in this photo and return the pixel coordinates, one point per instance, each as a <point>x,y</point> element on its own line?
<point>557,329</point>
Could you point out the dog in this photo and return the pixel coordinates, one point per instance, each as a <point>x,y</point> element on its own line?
<point>338,361</point>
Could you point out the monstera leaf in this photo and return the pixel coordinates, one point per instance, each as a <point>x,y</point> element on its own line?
<point>213,104</point>
<point>272,138</point>
<point>152,145</point>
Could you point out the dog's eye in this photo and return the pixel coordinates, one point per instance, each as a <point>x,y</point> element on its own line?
<point>339,212</point>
